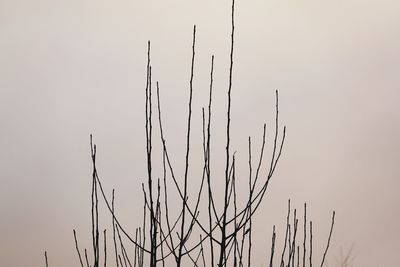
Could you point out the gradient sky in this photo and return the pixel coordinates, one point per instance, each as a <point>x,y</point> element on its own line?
<point>72,68</point>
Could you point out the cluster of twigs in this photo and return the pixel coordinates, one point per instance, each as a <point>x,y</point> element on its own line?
<point>291,255</point>
<point>224,238</point>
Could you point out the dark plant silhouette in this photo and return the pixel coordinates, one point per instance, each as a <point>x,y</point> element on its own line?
<point>224,237</point>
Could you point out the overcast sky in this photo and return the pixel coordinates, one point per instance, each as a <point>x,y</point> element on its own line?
<point>72,68</point>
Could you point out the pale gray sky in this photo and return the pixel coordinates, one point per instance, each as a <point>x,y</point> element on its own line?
<point>71,68</point>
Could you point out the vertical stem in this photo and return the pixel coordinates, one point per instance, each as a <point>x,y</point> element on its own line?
<point>77,248</point>
<point>250,222</point>
<point>286,235</point>
<point>298,256</point>
<point>310,243</point>
<point>105,248</point>
<point>305,235</point>
<point>95,210</point>
<point>113,224</point>
<point>329,238</point>
<point>208,164</point>
<point>86,258</point>
<point>182,230</point>
<point>272,247</point>
<point>149,129</point>
<point>45,257</point>
<point>228,136</point>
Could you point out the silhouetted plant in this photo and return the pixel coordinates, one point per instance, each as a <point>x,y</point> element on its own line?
<point>225,238</point>
<point>345,259</point>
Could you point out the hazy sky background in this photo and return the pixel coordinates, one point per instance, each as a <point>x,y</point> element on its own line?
<point>71,68</point>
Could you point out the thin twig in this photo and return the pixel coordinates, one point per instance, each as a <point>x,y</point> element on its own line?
<point>311,243</point>
<point>45,257</point>
<point>77,248</point>
<point>182,234</point>
<point>329,238</point>
<point>272,247</point>
<point>105,248</point>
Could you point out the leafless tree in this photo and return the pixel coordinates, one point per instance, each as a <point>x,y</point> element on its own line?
<point>224,238</point>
